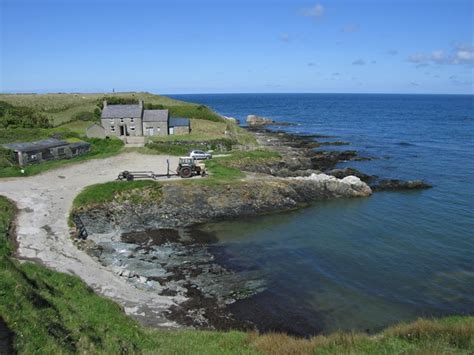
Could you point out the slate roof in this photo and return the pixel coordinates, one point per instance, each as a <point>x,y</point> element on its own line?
<point>34,146</point>
<point>79,145</point>
<point>155,116</point>
<point>179,122</point>
<point>122,111</point>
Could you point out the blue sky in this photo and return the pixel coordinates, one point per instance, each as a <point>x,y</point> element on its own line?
<point>237,46</point>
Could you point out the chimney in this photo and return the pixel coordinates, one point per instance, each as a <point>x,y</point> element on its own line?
<point>105,103</point>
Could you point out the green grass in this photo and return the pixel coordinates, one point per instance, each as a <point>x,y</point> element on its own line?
<point>239,159</point>
<point>203,130</point>
<point>100,148</point>
<point>119,191</point>
<point>169,149</point>
<point>51,313</point>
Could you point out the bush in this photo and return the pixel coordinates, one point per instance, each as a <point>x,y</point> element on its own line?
<point>97,113</point>
<point>84,116</point>
<point>7,157</point>
<point>21,117</point>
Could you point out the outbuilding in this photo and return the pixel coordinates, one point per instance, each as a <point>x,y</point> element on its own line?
<point>179,125</point>
<point>49,149</point>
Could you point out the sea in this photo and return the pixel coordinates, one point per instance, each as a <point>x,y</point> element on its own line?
<point>367,263</point>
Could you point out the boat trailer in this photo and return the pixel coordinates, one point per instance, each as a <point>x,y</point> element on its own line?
<point>187,168</point>
<point>133,175</point>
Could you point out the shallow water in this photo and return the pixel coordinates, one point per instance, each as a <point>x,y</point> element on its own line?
<point>366,263</point>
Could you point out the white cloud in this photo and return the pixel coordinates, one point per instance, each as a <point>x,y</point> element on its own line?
<point>315,11</point>
<point>285,37</point>
<point>460,54</point>
<point>350,28</point>
<point>358,62</point>
<point>417,58</point>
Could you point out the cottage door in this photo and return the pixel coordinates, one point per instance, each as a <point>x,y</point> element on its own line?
<point>122,130</point>
<point>150,131</point>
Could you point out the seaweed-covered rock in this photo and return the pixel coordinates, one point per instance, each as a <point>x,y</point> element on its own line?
<point>397,185</point>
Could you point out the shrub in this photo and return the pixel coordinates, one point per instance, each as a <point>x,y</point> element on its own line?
<point>97,113</point>
<point>7,157</point>
<point>21,117</point>
<point>84,116</point>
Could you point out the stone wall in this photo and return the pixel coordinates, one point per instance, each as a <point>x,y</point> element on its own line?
<point>159,128</point>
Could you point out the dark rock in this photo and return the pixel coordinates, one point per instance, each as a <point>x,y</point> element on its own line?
<point>397,185</point>
<point>328,160</point>
<point>7,338</point>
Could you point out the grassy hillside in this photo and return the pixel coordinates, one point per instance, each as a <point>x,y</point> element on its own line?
<point>50,312</point>
<point>62,108</point>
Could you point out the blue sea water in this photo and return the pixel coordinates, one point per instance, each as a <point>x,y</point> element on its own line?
<point>363,264</point>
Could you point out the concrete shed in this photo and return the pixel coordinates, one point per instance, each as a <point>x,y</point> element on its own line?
<point>49,149</point>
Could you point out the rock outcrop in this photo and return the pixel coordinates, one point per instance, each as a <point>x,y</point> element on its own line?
<point>254,120</point>
<point>399,185</point>
<point>184,205</point>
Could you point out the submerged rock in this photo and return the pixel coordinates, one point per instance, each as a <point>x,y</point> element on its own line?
<point>397,185</point>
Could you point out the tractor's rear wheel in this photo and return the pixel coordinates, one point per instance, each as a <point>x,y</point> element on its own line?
<point>129,177</point>
<point>185,172</point>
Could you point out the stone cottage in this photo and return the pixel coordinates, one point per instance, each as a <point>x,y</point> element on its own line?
<point>134,121</point>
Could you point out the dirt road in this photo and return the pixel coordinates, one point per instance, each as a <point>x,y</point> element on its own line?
<point>44,202</point>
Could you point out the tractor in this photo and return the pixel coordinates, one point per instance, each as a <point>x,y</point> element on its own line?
<point>188,167</point>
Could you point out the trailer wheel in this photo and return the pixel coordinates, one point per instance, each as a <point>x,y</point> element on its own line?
<point>185,172</point>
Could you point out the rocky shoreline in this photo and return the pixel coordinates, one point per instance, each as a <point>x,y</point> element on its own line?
<point>159,248</point>
<point>302,156</point>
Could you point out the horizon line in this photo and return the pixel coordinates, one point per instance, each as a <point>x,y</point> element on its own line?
<point>33,92</point>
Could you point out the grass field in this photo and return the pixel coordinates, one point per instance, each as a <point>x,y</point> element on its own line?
<point>204,130</point>
<point>55,313</point>
<point>62,107</point>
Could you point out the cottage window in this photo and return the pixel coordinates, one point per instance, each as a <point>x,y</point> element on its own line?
<point>112,128</point>
<point>121,120</point>
<point>132,120</point>
<point>132,128</point>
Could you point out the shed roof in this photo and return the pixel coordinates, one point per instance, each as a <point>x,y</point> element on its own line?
<point>79,144</point>
<point>155,116</point>
<point>179,122</point>
<point>122,111</point>
<point>33,146</point>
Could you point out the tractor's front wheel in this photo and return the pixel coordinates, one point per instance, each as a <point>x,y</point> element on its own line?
<point>185,172</point>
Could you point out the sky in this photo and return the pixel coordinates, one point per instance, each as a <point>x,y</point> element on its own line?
<point>175,47</point>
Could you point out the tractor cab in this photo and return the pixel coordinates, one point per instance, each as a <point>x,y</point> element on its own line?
<point>189,166</point>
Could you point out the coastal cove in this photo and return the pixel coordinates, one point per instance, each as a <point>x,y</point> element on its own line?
<point>367,263</point>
